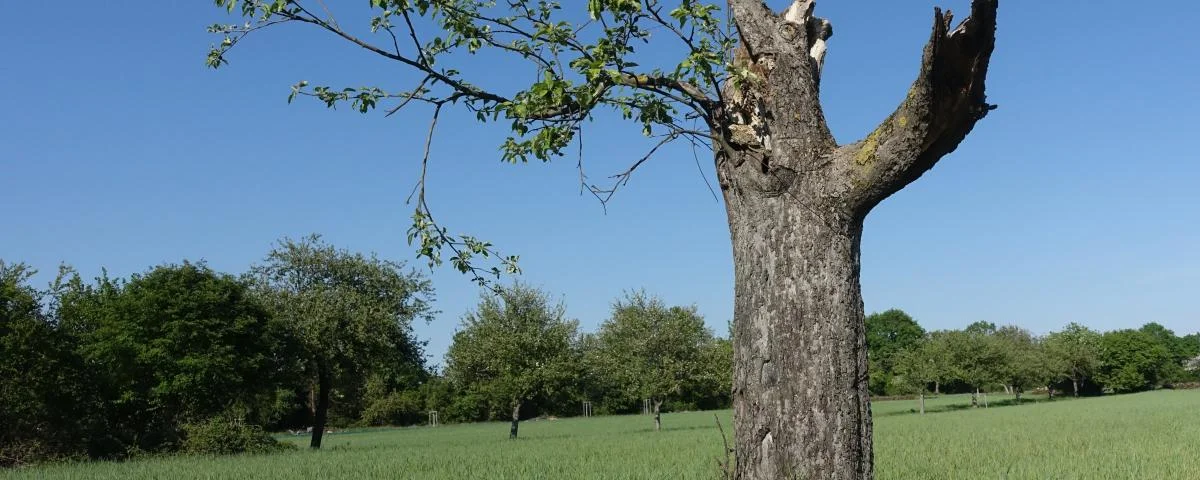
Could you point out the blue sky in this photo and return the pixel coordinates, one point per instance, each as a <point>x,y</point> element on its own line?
<point>1075,201</point>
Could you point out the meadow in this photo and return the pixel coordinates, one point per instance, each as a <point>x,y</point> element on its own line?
<point>1149,435</point>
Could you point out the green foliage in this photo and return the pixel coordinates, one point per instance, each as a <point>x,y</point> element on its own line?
<point>577,67</point>
<point>228,434</point>
<point>1132,360</point>
<point>1025,363</point>
<point>43,393</point>
<point>1073,354</point>
<point>888,335</point>
<point>180,341</point>
<point>396,408</point>
<point>347,314</point>
<point>647,350</point>
<point>514,348</point>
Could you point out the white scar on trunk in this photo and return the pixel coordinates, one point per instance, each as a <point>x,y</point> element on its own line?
<point>819,29</point>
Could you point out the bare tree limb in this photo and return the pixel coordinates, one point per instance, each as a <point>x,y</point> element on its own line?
<point>941,108</point>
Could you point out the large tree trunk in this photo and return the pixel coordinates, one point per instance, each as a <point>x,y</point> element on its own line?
<point>516,419</point>
<point>1075,386</point>
<point>800,372</point>
<point>324,388</point>
<point>657,415</point>
<point>796,202</point>
<point>937,388</point>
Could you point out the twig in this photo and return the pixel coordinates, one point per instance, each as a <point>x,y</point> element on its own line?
<point>725,466</point>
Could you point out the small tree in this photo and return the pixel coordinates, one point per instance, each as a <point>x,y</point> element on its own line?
<point>1131,360</point>
<point>975,357</point>
<point>888,335</point>
<point>344,311</point>
<point>1025,365</point>
<point>916,368</point>
<point>1074,354</point>
<point>516,346</point>
<point>652,350</point>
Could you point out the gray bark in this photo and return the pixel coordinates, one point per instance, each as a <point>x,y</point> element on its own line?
<point>922,403</point>
<point>796,202</point>
<point>1075,386</point>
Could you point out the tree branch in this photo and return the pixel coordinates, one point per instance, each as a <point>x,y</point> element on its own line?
<point>942,107</point>
<point>755,22</point>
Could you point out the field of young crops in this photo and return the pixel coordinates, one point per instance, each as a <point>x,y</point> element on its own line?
<point>1143,436</point>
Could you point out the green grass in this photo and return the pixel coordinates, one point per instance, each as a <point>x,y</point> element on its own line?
<point>1144,436</point>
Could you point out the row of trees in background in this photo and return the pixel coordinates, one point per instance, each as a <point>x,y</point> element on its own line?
<point>905,359</point>
<point>517,355</point>
<point>182,358</point>
<point>185,358</point>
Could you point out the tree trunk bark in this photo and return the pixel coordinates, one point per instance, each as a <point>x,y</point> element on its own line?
<point>657,415</point>
<point>801,407</point>
<point>516,419</point>
<point>1075,386</point>
<point>937,389</point>
<point>324,387</point>
<point>922,403</point>
<point>796,202</point>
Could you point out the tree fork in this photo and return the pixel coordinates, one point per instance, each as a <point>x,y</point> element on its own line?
<point>796,202</point>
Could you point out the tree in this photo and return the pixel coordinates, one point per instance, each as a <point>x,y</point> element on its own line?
<point>515,347</point>
<point>796,200</point>
<point>653,351</point>
<point>1178,348</point>
<point>939,351</point>
<point>1024,364</point>
<point>44,397</point>
<point>175,344</point>
<point>345,311</point>
<point>917,367</point>
<point>1131,360</point>
<point>975,356</point>
<point>1076,350</point>
<point>888,334</point>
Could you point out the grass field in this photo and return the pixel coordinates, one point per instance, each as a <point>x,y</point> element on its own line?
<point>1144,436</point>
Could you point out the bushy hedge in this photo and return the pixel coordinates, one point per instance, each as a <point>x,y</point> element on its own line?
<point>229,434</point>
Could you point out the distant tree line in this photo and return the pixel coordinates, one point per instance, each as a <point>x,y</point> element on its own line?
<point>905,359</point>
<point>182,358</point>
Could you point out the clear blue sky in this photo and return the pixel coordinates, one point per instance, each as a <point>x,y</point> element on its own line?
<point>1076,201</point>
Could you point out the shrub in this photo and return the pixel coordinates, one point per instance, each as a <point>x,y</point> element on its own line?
<point>397,409</point>
<point>228,434</point>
